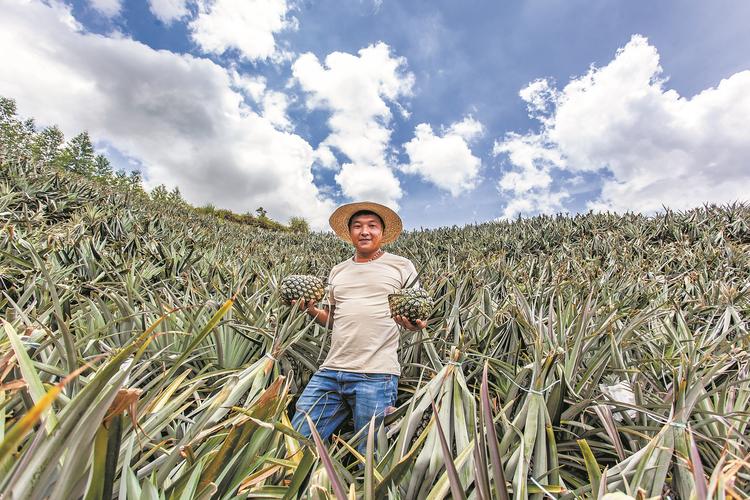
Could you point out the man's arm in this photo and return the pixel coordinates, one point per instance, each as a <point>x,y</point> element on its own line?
<point>323,317</point>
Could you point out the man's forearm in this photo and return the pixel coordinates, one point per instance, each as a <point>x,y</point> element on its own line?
<point>323,317</point>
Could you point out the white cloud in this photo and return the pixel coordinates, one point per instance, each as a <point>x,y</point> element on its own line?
<point>370,182</point>
<point>536,201</point>
<point>538,95</point>
<point>253,86</point>
<point>530,182</point>
<point>445,160</point>
<point>657,148</point>
<point>168,10</point>
<point>468,129</point>
<point>325,158</point>
<point>274,109</point>
<point>109,8</point>
<point>357,90</point>
<point>272,104</point>
<point>62,13</point>
<point>176,114</point>
<point>248,26</point>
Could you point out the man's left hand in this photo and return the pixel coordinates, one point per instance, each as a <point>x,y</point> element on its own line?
<point>404,322</point>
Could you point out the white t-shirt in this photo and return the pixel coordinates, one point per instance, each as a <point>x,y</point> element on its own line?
<point>365,337</point>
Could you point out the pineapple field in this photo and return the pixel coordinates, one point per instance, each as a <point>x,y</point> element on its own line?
<point>146,351</point>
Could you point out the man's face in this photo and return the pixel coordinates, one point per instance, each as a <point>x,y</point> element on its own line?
<point>366,232</point>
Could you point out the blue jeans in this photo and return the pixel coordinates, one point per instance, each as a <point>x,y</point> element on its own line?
<point>332,396</point>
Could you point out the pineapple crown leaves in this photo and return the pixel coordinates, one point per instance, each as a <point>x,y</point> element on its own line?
<point>412,282</point>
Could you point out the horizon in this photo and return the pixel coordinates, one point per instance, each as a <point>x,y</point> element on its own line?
<point>456,116</point>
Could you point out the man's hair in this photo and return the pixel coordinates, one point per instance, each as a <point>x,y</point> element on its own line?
<point>364,212</point>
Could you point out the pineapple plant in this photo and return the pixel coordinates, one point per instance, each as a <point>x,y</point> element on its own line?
<point>302,286</point>
<point>551,312</point>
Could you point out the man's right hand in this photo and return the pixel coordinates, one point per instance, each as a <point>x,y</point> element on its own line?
<point>308,307</point>
<point>323,317</point>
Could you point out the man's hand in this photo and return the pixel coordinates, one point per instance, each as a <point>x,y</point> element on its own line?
<point>308,307</point>
<point>404,322</point>
<point>321,316</point>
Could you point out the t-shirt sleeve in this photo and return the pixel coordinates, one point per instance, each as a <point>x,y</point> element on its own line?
<point>410,276</point>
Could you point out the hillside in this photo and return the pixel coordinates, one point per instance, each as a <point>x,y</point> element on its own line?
<point>615,349</point>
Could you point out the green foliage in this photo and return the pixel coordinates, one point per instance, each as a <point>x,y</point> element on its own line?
<point>208,208</point>
<point>175,197</point>
<point>78,155</point>
<point>160,193</point>
<point>20,143</point>
<point>47,145</point>
<point>102,168</point>
<point>16,136</point>
<point>243,219</point>
<point>146,351</point>
<point>121,177</point>
<point>7,110</point>
<point>299,225</point>
<point>135,177</point>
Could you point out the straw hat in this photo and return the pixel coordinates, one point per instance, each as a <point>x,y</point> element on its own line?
<point>339,220</point>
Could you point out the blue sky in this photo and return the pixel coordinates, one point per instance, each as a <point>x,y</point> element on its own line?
<point>455,112</point>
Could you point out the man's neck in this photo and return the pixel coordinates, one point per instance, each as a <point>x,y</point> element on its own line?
<point>367,257</point>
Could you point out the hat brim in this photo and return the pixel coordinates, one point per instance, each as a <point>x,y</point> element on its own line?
<point>339,220</point>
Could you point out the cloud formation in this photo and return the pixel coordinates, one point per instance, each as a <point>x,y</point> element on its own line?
<point>176,114</point>
<point>445,160</point>
<point>248,26</point>
<point>168,11</point>
<point>108,8</point>
<point>357,90</point>
<point>652,147</point>
<point>271,103</point>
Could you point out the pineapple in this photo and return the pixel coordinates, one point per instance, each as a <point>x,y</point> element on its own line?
<point>301,286</point>
<point>412,303</point>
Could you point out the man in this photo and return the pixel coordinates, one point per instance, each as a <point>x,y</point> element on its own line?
<point>359,377</point>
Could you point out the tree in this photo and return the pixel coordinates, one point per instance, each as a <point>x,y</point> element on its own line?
<point>102,167</point>
<point>25,139</point>
<point>78,155</point>
<point>160,193</point>
<point>299,225</point>
<point>16,136</point>
<point>47,144</point>
<point>176,197</point>
<point>121,178</point>
<point>7,111</point>
<point>135,178</point>
<point>262,213</point>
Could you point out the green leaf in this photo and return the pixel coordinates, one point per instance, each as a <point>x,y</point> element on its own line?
<point>338,485</point>
<point>592,466</point>
<point>457,490</point>
<point>30,375</point>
